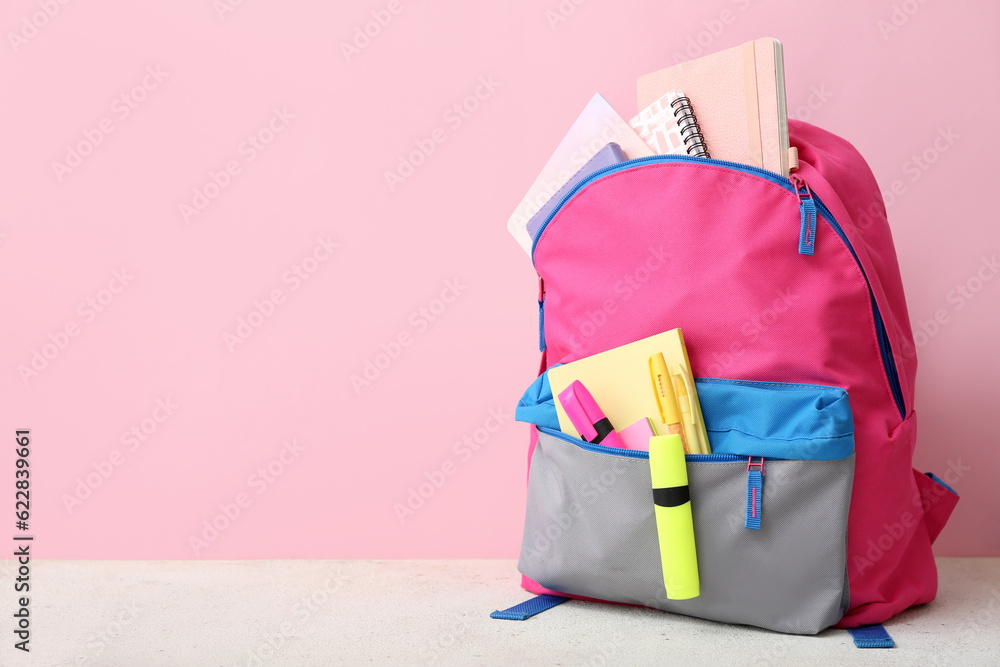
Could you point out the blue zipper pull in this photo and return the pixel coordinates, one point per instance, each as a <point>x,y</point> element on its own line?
<point>755,489</point>
<point>541,314</point>
<point>807,215</point>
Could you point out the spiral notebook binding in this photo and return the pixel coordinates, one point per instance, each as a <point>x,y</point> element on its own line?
<point>694,142</point>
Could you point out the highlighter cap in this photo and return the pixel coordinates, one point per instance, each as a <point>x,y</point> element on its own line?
<point>581,408</point>
<point>667,466</point>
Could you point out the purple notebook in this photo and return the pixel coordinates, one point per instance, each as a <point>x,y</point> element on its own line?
<point>607,156</point>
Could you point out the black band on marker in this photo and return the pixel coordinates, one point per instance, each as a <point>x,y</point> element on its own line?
<point>671,496</point>
<point>603,427</point>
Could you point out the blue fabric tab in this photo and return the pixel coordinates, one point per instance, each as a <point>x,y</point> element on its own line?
<point>807,233</point>
<point>755,488</point>
<point>529,608</point>
<point>538,406</point>
<point>871,636</point>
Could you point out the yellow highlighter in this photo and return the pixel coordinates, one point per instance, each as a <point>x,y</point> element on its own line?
<point>666,401</point>
<point>674,522</point>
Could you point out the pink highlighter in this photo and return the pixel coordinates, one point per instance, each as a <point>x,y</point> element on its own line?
<point>587,418</point>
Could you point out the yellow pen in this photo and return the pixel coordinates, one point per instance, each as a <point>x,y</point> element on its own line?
<point>686,386</point>
<point>687,420</point>
<point>666,401</point>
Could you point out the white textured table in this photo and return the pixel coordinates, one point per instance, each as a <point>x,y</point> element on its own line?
<point>149,613</point>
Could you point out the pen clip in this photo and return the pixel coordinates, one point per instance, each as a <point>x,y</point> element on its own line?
<point>684,378</point>
<point>692,396</point>
<point>689,387</point>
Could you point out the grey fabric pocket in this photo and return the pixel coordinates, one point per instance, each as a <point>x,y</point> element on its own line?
<point>590,531</point>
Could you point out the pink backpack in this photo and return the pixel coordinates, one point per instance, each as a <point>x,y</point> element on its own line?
<point>788,293</point>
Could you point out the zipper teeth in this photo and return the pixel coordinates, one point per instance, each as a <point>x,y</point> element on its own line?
<point>651,159</point>
<point>634,453</point>
<point>541,325</point>
<point>885,349</point>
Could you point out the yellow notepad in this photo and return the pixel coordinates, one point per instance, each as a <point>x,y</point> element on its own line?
<point>619,381</point>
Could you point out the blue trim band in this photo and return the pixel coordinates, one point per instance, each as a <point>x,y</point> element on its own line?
<point>871,636</point>
<point>940,481</point>
<point>779,420</point>
<point>776,420</point>
<point>529,608</point>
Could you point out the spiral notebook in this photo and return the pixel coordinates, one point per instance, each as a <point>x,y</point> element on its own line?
<point>669,126</point>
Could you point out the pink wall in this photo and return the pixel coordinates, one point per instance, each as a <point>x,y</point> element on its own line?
<point>138,304</point>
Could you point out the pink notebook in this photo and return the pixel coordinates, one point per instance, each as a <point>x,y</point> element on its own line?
<point>638,434</point>
<point>738,96</point>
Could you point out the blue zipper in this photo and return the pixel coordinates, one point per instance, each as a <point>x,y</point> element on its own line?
<point>635,453</point>
<point>652,159</point>
<point>883,338</point>
<point>885,349</point>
